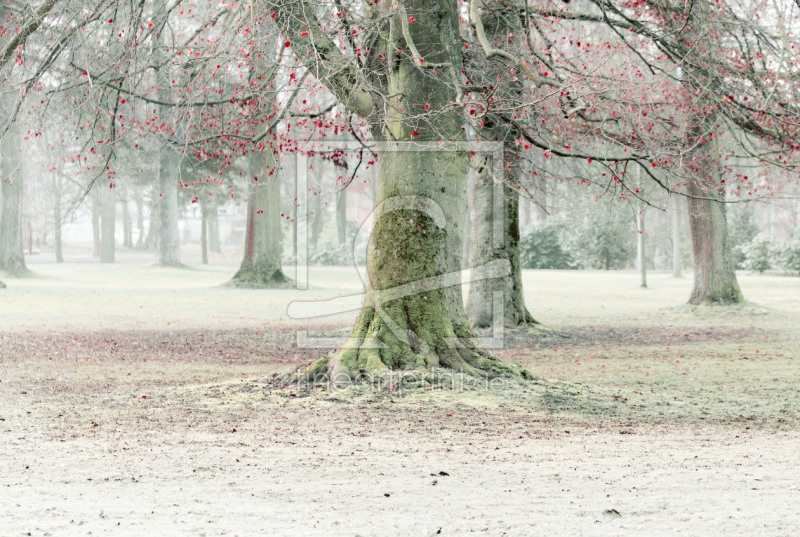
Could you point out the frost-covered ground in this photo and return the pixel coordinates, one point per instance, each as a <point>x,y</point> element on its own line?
<point>138,400</point>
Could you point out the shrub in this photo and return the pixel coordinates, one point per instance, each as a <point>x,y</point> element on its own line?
<point>787,255</point>
<point>758,253</point>
<point>540,249</point>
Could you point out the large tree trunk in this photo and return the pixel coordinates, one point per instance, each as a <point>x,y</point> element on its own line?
<point>168,234</point>
<point>108,219</point>
<point>484,249</point>
<point>12,256</point>
<point>413,315</point>
<point>261,265</point>
<point>714,276</point>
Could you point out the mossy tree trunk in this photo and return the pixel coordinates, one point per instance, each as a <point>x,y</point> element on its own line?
<point>95,221</point>
<point>413,314</point>
<point>261,265</point>
<point>485,249</point>
<point>12,257</point>
<point>714,277</point>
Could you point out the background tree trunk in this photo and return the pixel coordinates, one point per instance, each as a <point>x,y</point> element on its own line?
<point>261,265</point>
<point>640,246</point>
<point>140,242</point>
<point>95,221</point>
<point>341,216</point>
<point>214,243</point>
<point>57,221</point>
<point>676,237</point>
<point>168,234</point>
<point>108,217</point>
<point>204,233</point>
<point>483,250</point>
<point>127,223</point>
<point>714,277</point>
<point>12,256</point>
<point>151,241</point>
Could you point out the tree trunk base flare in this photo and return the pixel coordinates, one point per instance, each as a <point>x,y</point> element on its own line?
<point>255,279</point>
<point>376,348</point>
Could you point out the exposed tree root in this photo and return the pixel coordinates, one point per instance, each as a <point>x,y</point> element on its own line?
<point>374,352</point>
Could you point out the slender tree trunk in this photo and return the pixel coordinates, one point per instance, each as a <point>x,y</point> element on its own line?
<point>140,244</point>
<point>151,242</point>
<point>413,314</point>
<point>168,234</point>
<point>108,219</point>
<point>204,233</point>
<point>95,221</point>
<point>214,243</point>
<point>341,216</point>
<point>318,221</point>
<point>714,276</point>
<point>676,237</point>
<point>261,265</point>
<point>57,222</point>
<point>484,249</point>
<point>640,243</point>
<point>127,223</point>
<point>12,255</point>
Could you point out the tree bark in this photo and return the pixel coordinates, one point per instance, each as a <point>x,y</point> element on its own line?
<point>341,216</point>
<point>261,265</point>
<point>140,242</point>
<point>95,221</point>
<point>168,234</point>
<point>214,244</point>
<point>127,223</point>
<point>413,314</point>
<point>204,233</point>
<point>12,255</point>
<point>57,221</point>
<point>676,237</point>
<point>151,241</point>
<point>485,250</point>
<point>714,277</point>
<point>108,219</point>
<point>640,246</point>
